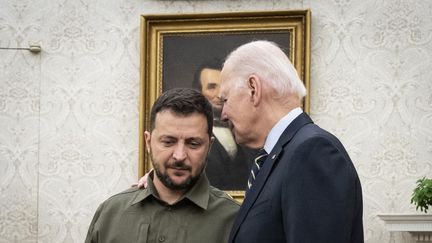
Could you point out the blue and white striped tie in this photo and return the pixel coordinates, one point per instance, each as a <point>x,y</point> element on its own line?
<point>258,163</point>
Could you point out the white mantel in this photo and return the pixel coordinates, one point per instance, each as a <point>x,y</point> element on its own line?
<point>418,225</point>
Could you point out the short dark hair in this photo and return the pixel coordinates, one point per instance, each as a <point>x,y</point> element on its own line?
<point>214,63</point>
<point>183,101</point>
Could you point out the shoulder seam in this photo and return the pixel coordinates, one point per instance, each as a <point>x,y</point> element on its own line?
<point>128,191</point>
<point>224,195</point>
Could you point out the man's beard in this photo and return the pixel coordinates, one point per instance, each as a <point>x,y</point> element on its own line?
<point>166,180</point>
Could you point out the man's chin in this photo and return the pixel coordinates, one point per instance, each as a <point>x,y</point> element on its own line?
<point>240,141</point>
<point>180,183</point>
<point>247,143</point>
<point>177,179</point>
<point>174,182</point>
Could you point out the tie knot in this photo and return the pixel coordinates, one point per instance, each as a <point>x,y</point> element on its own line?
<point>261,157</point>
<point>258,163</point>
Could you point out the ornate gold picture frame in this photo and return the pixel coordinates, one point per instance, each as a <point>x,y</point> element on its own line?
<point>174,46</point>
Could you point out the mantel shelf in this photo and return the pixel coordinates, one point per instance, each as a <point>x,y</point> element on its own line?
<point>419,225</point>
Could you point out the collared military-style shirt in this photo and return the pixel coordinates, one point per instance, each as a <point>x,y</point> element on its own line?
<point>203,214</point>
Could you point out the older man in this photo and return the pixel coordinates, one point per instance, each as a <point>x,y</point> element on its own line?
<point>303,187</point>
<point>227,163</point>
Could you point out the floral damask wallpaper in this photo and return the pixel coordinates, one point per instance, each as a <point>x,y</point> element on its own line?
<point>69,115</point>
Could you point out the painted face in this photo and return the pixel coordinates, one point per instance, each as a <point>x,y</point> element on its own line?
<point>178,146</point>
<point>210,83</point>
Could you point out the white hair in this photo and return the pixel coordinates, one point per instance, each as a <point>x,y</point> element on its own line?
<point>267,61</point>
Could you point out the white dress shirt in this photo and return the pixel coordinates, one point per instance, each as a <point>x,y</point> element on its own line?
<point>279,128</point>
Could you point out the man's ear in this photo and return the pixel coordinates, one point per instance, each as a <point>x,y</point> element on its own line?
<point>255,88</point>
<point>147,138</point>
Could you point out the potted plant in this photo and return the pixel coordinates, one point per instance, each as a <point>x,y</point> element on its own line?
<point>422,195</point>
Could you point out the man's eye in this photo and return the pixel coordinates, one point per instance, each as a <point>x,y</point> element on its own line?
<point>194,144</point>
<point>211,86</point>
<point>167,142</point>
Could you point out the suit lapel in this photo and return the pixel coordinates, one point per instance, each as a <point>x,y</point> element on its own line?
<point>265,171</point>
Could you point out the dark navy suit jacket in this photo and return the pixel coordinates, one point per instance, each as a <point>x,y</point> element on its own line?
<point>307,191</point>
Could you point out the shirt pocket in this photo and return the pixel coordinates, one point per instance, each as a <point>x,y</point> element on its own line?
<point>131,228</point>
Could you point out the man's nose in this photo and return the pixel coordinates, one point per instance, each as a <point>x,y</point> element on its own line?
<point>179,152</point>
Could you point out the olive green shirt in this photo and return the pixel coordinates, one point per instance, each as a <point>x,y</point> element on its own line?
<point>203,214</point>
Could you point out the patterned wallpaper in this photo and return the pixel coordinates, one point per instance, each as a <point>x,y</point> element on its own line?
<point>69,115</point>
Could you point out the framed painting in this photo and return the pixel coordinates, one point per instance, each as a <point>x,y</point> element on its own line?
<point>187,50</point>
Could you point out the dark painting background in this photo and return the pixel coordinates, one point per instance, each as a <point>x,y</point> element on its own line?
<point>182,54</point>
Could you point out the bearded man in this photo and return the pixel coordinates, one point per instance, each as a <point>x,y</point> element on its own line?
<point>178,204</point>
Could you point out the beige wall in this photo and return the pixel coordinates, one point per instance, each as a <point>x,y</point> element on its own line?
<point>69,115</point>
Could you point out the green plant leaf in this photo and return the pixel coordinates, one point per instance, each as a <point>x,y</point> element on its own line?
<point>422,194</point>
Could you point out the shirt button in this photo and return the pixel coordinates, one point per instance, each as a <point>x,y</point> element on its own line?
<point>161,238</point>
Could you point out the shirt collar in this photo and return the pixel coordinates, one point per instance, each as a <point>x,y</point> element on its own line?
<point>279,128</point>
<point>199,194</point>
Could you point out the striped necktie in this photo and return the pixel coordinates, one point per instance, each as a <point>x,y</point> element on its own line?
<point>258,163</point>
